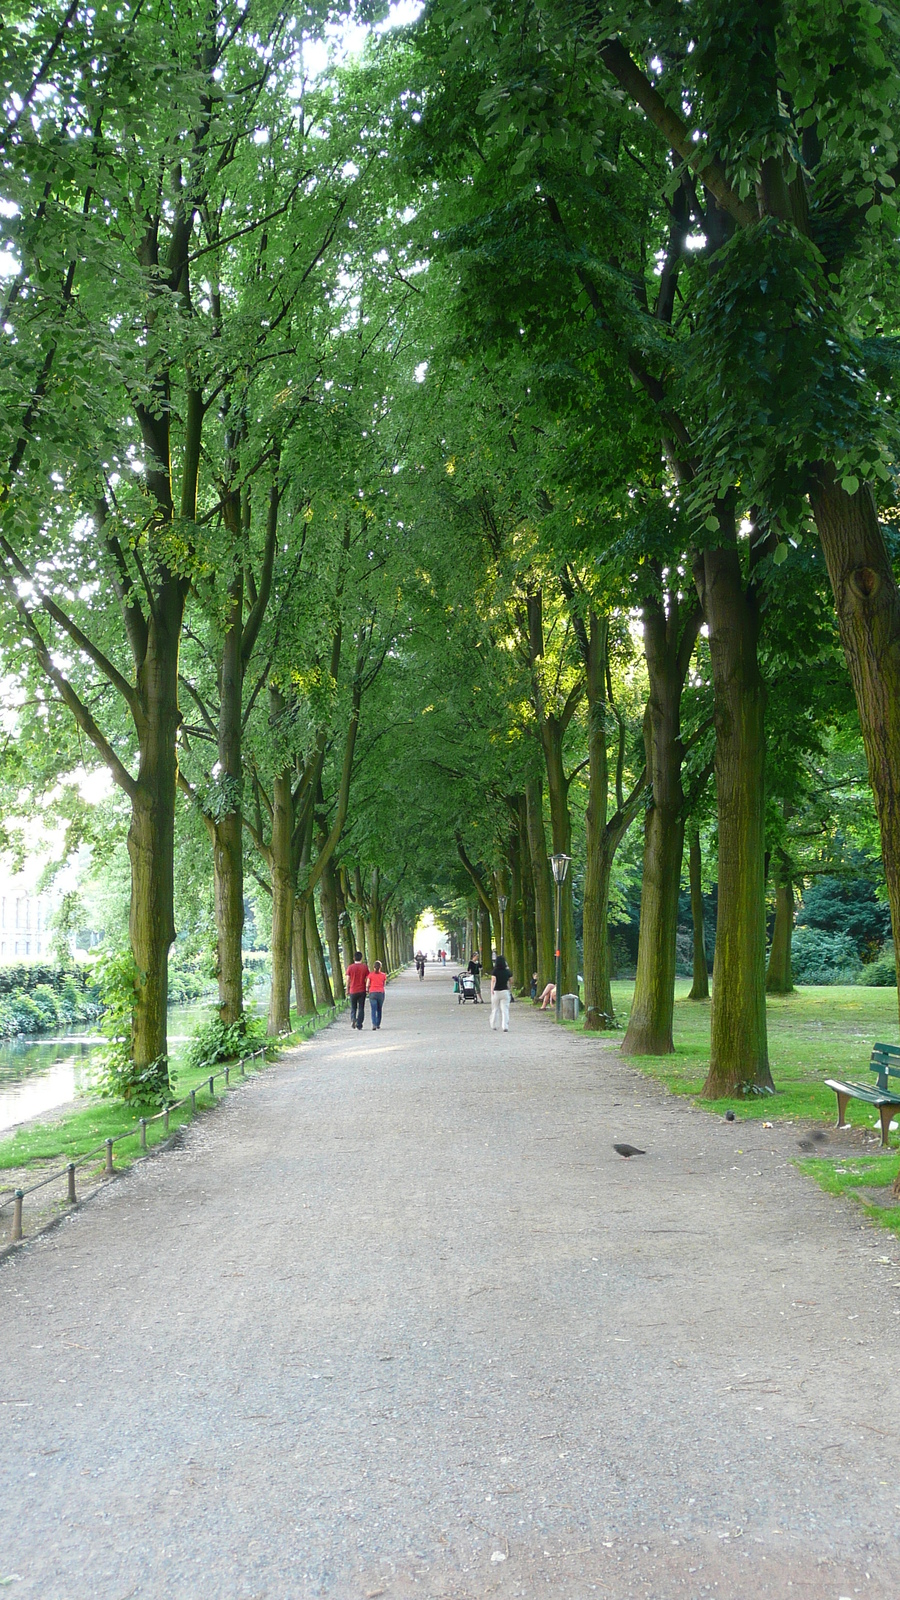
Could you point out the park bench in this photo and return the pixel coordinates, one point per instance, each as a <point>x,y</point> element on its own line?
<point>886,1063</point>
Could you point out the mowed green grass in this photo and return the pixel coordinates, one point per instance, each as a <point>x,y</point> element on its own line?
<point>814,1034</point>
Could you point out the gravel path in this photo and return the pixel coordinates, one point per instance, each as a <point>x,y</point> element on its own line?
<point>397,1321</point>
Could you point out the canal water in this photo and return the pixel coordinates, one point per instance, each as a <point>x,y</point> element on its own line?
<point>39,1074</point>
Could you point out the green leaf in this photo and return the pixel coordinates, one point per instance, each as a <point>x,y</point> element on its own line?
<point>850,484</point>
<point>780,554</point>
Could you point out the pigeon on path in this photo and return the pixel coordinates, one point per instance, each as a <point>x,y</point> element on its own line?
<point>628,1150</point>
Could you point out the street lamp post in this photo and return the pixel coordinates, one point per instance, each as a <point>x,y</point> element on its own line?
<point>503,902</point>
<point>560,865</point>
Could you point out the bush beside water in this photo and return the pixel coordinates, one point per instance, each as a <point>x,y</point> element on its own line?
<point>35,998</point>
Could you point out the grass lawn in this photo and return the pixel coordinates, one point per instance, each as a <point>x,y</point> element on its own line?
<point>70,1136</point>
<point>814,1034</point>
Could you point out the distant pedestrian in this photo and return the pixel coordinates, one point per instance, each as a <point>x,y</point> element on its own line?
<point>377,980</point>
<point>357,977</point>
<point>420,964</point>
<point>500,981</point>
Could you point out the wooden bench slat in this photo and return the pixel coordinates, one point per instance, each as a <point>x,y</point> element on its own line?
<point>865,1091</point>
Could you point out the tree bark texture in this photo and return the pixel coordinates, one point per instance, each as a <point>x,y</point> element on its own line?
<point>342,894</point>
<point>542,883</point>
<point>868,612</point>
<point>529,939</point>
<point>485,941</point>
<point>329,902</point>
<point>598,1003</point>
<point>739,1060</point>
<point>282,875</point>
<point>227,826</point>
<point>561,834</point>
<point>779,978</point>
<point>318,969</point>
<point>303,989</point>
<point>700,984</point>
<point>668,648</point>
<point>151,835</point>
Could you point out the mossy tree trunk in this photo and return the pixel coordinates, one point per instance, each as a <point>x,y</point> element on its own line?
<point>700,985</point>
<point>529,939</point>
<point>328,895</point>
<point>603,834</point>
<point>670,633</point>
<point>542,884</point>
<point>739,1060</point>
<point>317,967</point>
<point>151,835</point>
<point>304,995</point>
<point>868,612</point>
<point>779,978</point>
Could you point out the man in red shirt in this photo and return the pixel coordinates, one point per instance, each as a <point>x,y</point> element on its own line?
<point>357,976</point>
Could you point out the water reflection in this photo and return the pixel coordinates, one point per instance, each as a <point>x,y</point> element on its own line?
<point>39,1075</point>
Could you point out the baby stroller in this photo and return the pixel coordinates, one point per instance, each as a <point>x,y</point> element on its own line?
<point>465,988</point>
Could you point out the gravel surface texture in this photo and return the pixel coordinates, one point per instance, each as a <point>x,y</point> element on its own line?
<point>396,1320</point>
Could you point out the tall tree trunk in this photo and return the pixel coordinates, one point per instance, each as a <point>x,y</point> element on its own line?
<point>515,921</point>
<point>484,922</point>
<point>700,985</point>
<point>668,656</point>
<point>779,978</point>
<point>868,612</point>
<point>739,1059</point>
<point>319,972</point>
<point>342,892</point>
<point>649,1031</point>
<point>561,833</point>
<point>151,835</point>
<point>359,918</point>
<point>329,901</point>
<point>598,1004</point>
<point>303,989</point>
<point>529,938</point>
<point>227,826</point>
<point>282,876</point>
<point>545,930</point>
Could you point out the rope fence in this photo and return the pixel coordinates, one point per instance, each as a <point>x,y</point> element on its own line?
<point>307,1027</point>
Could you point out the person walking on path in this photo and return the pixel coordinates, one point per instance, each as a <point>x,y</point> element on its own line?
<point>475,968</point>
<point>420,964</point>
<point>377,980</point>
<point>500,980</point>
<point>357,975</point>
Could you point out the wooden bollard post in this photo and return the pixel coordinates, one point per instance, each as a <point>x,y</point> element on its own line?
<point>242,1067</point>
<point>212,1091</point>
<point>227,1076</point>
<point>17,1216</point>
<point>110,1169</point>
<point>166,1119</point>
<point>143,1125</point>
<point>71,1196</point>
<point>193,1102</point>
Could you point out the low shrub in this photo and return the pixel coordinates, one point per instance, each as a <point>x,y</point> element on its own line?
<point>215,1042</point>
<point>118,1078</point>
<point>882,972</point>
<point>818,957</point>
<point>20,1014</point>
<point>47,1003</point>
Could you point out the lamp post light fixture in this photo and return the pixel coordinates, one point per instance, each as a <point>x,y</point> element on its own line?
<point>503,902</point>
<point>560,866</point>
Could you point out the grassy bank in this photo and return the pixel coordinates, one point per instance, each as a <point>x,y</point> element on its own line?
<point>68,1137</point>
